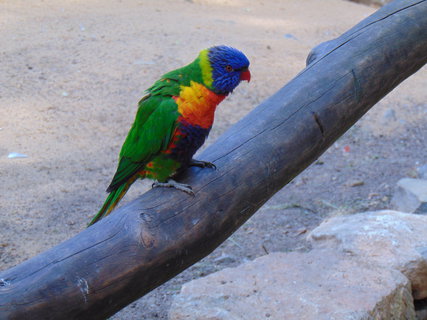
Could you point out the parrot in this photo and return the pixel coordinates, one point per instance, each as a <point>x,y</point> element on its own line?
<point>173,120</point>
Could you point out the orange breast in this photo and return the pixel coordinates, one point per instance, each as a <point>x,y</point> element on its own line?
<point>197,104</point>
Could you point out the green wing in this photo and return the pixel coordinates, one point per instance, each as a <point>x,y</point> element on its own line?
<point>154,125</point>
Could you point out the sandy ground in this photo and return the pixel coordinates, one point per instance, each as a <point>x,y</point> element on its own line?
<point>71,73</point>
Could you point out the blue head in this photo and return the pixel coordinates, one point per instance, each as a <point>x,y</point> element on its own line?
<point>229,67</point>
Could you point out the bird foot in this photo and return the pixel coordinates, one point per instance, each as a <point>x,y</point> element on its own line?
<point>202,164</point>
<point>173,184</point>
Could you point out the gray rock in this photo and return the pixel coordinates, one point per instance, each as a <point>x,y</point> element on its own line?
<point>411,196</point>
<point>422,172</point>
<point>318,285</point>
<point>386,238</point>
<point>362,266</point>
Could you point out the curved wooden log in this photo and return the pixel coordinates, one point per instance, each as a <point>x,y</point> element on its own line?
<point>150,240</point>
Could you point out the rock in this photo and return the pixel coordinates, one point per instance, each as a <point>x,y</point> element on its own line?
<point>362,266</point>
<point>316,285</point>
<point>422,172</point>
<point>387,238</point>
<point>355,183</point>
<point>411,195</point>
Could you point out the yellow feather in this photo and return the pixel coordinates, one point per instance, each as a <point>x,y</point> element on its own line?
<point>206,67</point>
<point>197,104</point>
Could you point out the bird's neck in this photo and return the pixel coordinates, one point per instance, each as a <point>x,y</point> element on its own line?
<point>197,104</point>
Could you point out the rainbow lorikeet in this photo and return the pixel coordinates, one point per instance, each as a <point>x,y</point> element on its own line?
<point>173,121</point>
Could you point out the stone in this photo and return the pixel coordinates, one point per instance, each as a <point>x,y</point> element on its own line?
<point>355,183</point>
<point>411,196</point>
<point>317,285</point>
<point>386,238</point>
<point>422,172</point>
<point>364,266</point>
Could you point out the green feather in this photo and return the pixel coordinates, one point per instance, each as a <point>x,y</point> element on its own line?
<point>111,201</point>
<point>149,135</point>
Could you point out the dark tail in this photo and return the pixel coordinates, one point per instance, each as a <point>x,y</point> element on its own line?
<point>111,202</point>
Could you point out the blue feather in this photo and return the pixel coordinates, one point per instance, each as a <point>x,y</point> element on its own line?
<point>227,64</point>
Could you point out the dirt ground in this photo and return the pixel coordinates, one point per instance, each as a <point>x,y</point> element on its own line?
<point>72,72</point>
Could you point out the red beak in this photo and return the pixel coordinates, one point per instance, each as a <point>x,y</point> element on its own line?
<point>245,75</point>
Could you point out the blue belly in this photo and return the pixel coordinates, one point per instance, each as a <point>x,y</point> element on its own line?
<point>192,139</point>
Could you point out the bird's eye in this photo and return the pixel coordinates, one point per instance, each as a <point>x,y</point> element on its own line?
<point>228,68</point>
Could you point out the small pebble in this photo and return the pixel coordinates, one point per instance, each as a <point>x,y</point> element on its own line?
<point>356,183</point>
<point>301,231</point>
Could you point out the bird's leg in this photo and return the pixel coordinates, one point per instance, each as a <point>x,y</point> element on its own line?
<point>202,164</point>
<point>170,183</point>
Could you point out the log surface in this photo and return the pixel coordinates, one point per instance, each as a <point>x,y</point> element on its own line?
<point>147,242</point>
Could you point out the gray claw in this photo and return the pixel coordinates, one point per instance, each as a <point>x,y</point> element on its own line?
<point>173,184</point>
